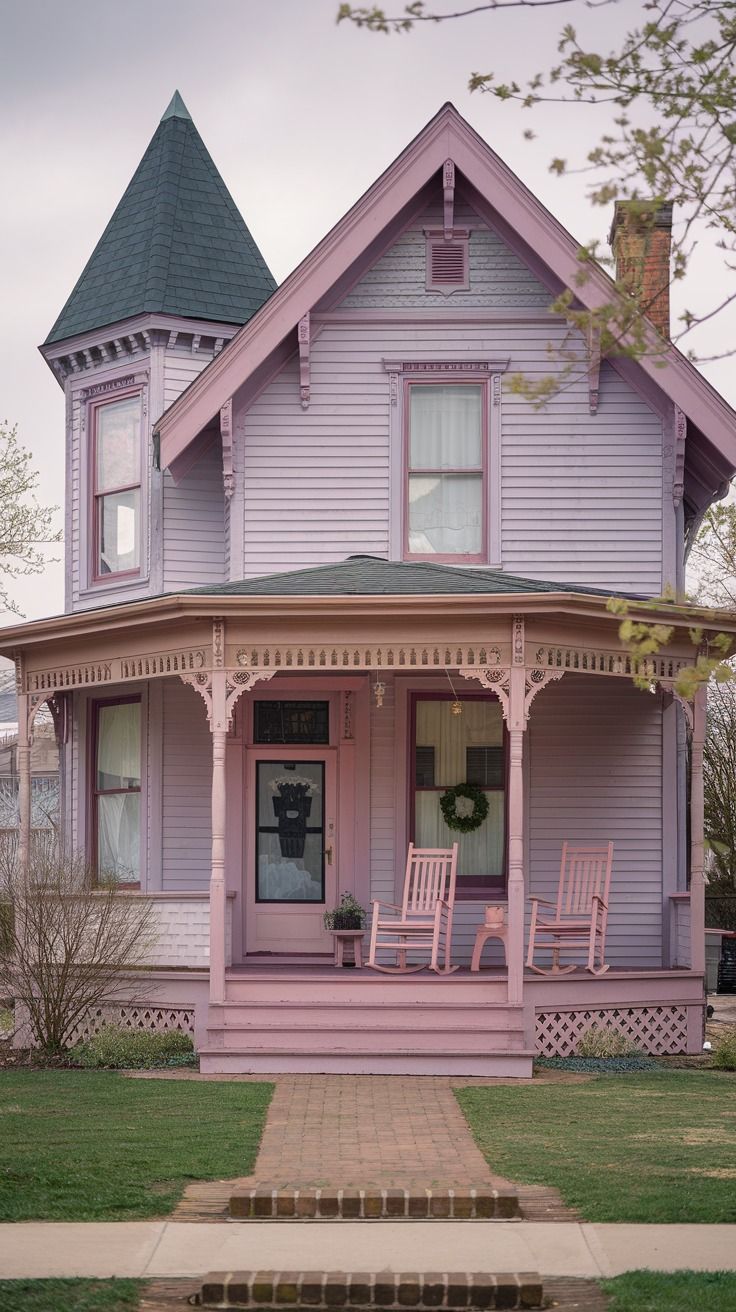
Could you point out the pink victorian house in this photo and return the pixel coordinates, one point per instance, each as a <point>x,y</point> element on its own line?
<point>305,526</point>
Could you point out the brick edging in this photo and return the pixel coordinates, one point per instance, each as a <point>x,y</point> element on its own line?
<point>319,1289</point>
<point>465,1204</point>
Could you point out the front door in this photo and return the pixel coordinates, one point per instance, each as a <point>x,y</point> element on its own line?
<point>291,848</point>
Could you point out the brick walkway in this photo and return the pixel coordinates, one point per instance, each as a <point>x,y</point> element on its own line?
<point>364,1131</point>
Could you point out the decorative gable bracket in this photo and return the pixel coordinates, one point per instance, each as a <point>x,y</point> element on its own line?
<point>303,334</point>
<point>678,483</point>
<point>594,368</point>
<point>226,433</point>
<point>448,187</point>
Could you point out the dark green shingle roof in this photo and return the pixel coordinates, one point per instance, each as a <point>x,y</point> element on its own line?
<point>372,576</point>
<point>176,243</point>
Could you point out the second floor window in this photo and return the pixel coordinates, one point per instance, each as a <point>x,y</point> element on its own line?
<point>116,474</point>
<point>447,442</point>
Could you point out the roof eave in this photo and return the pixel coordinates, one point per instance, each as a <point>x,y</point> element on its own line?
<point>157,610</point>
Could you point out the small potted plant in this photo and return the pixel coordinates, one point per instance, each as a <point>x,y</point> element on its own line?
<point>345,922</point>
<point>349,914</point>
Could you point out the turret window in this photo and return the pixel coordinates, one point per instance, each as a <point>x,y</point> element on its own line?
<point>116,467</point>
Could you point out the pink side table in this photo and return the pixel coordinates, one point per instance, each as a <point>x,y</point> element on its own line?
<point>355,936</point>
<point>494,926</point>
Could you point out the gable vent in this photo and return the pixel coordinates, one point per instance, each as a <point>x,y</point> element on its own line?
<point>447,263</point>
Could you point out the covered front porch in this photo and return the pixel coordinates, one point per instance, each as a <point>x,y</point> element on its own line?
<point>242,950</point>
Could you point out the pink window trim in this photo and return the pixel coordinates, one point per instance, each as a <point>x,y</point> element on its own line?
<point>93,407</point>
<point>93,792</point>
<point>470,888</point>
<point>443,380</point>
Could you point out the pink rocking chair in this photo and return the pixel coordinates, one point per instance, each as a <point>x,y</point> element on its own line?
<point>423,922</point>
<point>580,913</point>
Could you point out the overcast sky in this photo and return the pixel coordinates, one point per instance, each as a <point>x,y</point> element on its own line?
<point>300,116</point>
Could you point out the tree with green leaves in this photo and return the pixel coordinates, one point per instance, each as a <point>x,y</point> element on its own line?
<point>670,135</point>
<point>26,528</point>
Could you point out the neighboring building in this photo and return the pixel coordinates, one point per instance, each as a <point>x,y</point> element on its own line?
<point>44,766</point>
<point>301,523</point>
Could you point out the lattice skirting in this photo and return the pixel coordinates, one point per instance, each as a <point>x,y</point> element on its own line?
<point>154,1020</point>
<point>658,1030</point>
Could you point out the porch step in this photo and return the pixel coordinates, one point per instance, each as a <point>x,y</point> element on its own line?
<point>467,1204</point>
<point>331,1289</point>
<point>351,986</point>
<point>515,1064</point>
<point>369,1038</point>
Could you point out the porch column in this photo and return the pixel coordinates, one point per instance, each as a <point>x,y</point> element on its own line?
<point>217,877</point>
<point>516,724</point>
<point>24,782</point>
<point>697,837</point>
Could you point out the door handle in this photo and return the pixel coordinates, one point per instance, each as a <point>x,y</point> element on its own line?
<point>328,854</point>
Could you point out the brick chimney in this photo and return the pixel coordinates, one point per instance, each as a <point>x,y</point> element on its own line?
<point>641,244</point>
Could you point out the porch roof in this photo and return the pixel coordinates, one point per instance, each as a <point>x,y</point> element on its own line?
<point>374,576</point>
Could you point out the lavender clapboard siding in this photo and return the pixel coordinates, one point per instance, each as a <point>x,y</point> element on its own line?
<point>194,525</point>
<point>186,793</point>
<point>319,484</point>
<point>595,774</point>
<point>194,510</point>
<point>498,276</point>
<point>582,494</point>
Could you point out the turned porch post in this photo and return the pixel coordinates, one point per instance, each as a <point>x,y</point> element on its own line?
<point>217,877</point>
<point>24,782</point>
<point>697,837</point>
<point>516,725</point>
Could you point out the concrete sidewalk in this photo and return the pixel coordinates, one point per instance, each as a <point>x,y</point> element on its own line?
<point>169,1248</point>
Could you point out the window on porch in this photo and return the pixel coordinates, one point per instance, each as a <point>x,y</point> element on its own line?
<point>452,749</point>
<point>116,800</point>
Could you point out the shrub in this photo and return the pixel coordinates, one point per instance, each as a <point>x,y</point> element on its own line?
<point>724,1053</point>
<point>65,940</point>
<point>597,1042</point>
<point>117,1048</point>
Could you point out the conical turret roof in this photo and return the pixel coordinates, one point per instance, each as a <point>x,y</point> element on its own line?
<point>176,243</point>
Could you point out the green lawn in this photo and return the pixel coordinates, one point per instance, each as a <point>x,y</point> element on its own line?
<point>658,1147</point>
<point>684,1291</point>
<point>69,1295</point>
<point>95,1146</point>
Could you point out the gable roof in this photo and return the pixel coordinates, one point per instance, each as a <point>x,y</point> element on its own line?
<point>370,576</point>
<point>447,135</point>
<point>176,243</point>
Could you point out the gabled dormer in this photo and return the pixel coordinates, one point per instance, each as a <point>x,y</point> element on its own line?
<point>174,275</point>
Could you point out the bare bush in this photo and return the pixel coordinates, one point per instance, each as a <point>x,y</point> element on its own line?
<point>65,941</point>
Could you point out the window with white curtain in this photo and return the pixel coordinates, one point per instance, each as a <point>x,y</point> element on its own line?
<point>453,749</point>
<point>116,464</point>
<point>117,790</point>
<point>446,470</point>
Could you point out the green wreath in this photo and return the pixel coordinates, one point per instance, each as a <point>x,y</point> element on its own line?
<point>464,823</point>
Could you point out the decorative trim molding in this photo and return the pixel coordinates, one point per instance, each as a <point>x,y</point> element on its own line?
<point>448,193</point>
<point>517,641</point>
<point>303,335</point>
<point>487,366</point>
<point>589,660</point>
<point>678,484</point>
<point>226,433</point>
<point>594,368</point>
<point>392,656</point>
<point>347,699</point>
<point>495,678</point>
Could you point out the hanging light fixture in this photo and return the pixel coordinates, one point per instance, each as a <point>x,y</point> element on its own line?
<point>379,691</point>
<point>456,706</point>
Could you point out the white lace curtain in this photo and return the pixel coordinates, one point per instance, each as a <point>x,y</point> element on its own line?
<point>118,814</point>
<point>445,510</point>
